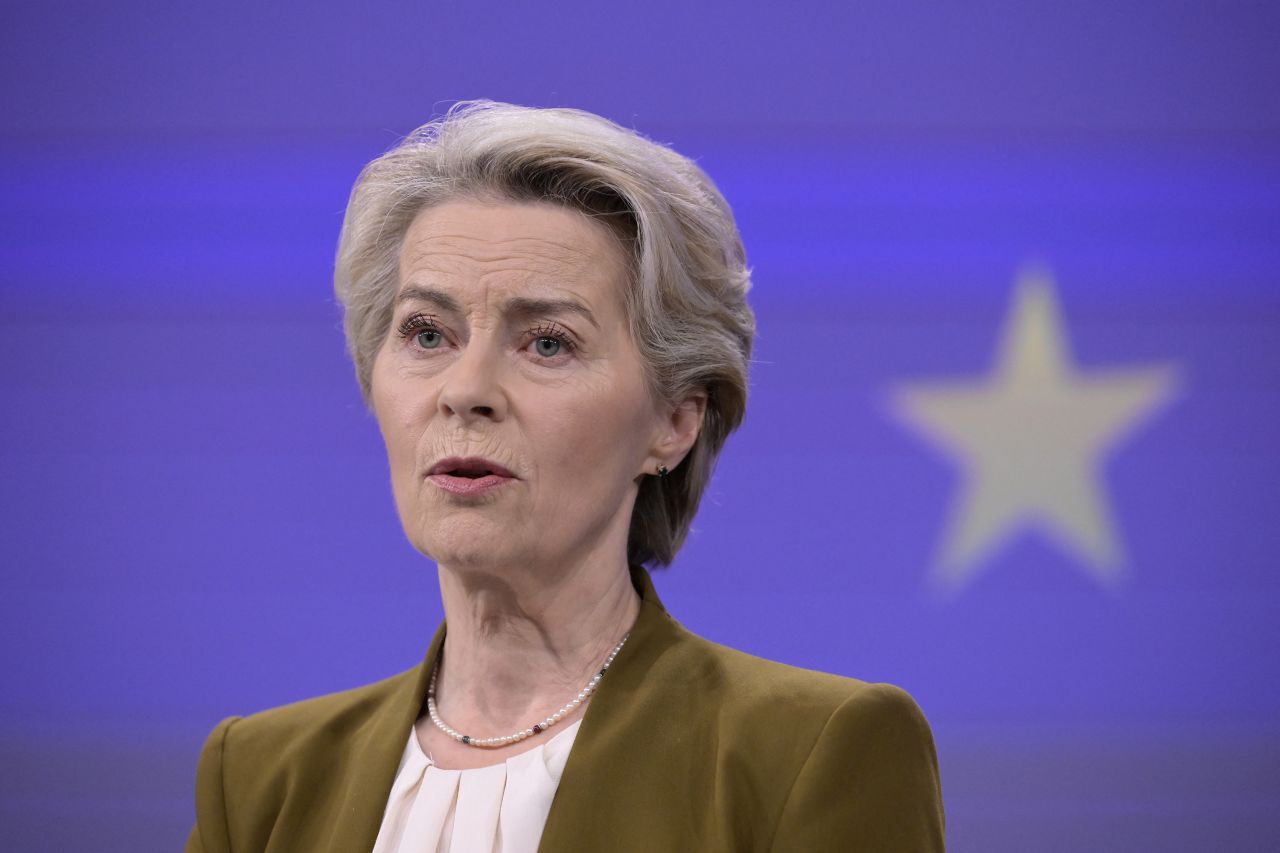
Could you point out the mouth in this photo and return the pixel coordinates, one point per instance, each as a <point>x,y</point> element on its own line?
<point>469,476</point>
<point>470,468</point>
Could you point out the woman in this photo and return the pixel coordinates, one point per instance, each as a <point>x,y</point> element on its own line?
<point>547,317</point>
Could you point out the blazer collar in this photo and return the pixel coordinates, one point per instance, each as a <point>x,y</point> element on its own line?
<point>378,743</point>
<point>587,789</point>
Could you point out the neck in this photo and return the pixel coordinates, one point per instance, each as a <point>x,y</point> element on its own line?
<point>520,644</point>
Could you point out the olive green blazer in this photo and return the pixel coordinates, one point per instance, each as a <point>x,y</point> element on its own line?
<point>686,746</point>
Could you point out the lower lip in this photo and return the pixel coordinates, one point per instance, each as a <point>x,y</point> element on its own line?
<point>469,486</point>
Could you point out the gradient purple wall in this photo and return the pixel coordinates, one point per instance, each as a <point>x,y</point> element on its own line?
<point>197,518</point>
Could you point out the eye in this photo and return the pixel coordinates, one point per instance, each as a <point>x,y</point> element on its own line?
<point>421,330</point>
<point>551,342</point>
<point>429,338</point>
<point>548,347</point>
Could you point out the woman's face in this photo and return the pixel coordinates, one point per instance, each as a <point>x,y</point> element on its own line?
<point>509,344</point>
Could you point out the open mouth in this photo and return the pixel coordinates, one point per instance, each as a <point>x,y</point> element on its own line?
<point>469,473</point>
<point>470,476</point>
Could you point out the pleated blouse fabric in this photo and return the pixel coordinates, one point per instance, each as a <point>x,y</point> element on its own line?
<point>501,808</point>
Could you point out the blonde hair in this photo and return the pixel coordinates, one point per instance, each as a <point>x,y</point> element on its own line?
<point>686,302</point>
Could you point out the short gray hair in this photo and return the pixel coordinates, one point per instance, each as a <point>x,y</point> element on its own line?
<point>686,303</point>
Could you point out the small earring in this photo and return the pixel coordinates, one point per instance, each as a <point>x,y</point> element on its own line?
<point>662,472</point>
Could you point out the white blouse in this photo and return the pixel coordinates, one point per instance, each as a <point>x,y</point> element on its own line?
<point>501,808</point>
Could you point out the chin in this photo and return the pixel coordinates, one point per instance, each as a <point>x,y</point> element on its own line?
<point>466,542</point>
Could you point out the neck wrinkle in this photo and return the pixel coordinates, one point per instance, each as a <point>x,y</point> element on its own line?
<point>512,657</point>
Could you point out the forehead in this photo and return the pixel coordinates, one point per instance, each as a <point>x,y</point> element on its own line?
<point>513,246</point>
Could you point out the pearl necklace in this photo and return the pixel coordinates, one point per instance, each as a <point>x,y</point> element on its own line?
<point>496,742</point>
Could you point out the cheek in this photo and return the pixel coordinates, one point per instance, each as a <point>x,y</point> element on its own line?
<point>396,412</point>
<point>595,439</point>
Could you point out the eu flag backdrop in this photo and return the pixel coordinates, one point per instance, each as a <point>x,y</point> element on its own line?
<point>1011,441</point>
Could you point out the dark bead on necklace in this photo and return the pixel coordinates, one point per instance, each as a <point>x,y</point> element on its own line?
<point>466,739</point>
<point>537,727</point>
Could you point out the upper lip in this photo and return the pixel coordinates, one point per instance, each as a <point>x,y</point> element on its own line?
<point>468,463</point>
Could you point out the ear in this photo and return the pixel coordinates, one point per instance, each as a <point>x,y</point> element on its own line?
<point>678,431</point>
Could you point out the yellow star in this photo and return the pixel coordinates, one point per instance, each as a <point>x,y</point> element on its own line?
<point>1031,437</point>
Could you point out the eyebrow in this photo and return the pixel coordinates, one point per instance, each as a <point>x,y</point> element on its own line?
<point>520,306</point>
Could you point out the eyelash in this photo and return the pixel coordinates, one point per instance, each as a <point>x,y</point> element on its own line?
<point>418,323</point>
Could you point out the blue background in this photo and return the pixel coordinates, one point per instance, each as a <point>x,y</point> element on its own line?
<point>197,519</point>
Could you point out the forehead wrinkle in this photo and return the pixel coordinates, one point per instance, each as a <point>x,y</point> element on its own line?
<point>540,270</point>
<point>543,296</point>
<point>545,280</point>
<point>535,270</point>
<point>486,250</point>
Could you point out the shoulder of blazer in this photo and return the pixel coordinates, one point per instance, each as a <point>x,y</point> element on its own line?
<point>263,749</point>
<point>284,730</point>
<point>316,772</point>
<point>728,679</point>
<point>689,744</point>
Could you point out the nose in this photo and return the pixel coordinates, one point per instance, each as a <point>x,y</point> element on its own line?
<point>472,387</point>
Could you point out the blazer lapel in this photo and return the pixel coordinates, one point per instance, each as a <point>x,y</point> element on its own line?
<point>376,748</point>
<point>626,727</point>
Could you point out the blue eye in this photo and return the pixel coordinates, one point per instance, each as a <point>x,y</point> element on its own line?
<point>550,341</point>
<point>421,330</point>
<point>428,338</point>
